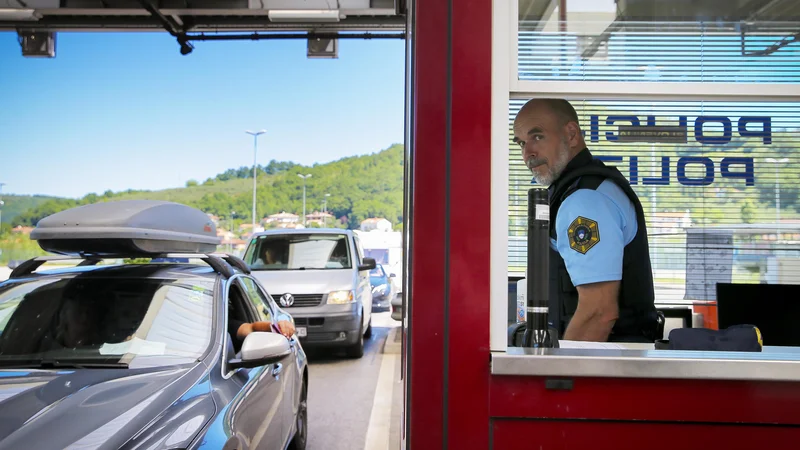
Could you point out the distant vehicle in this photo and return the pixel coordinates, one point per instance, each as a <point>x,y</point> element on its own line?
<point>383,287</point>
<point>322,277</point>
<point>397,308</point>
<point>139,355</point>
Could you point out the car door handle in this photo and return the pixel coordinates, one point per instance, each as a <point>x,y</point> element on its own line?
<point>277,369</point>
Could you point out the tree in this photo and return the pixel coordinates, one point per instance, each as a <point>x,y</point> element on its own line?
<point>191,183</point>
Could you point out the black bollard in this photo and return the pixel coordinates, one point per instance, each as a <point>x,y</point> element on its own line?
<point>537,331</point>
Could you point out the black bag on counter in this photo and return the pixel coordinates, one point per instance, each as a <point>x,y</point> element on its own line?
<point>737,338</point>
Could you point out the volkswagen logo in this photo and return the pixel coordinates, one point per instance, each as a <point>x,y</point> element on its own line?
<point>287,300</point>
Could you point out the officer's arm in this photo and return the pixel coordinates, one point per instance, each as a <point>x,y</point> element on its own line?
<point>596,314</point>
<point>590,239</point>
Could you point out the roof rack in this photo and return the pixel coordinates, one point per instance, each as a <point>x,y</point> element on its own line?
<point>130,229</point>
<point>127,229</point>
<point>224,264</point>
<point>234,261</point>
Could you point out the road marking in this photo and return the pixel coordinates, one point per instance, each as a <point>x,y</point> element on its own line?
<point>380,419</point>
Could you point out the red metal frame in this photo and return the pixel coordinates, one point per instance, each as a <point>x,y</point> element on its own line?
<point>453,401</point>
<point>427,275</point>
<point>449,311</point>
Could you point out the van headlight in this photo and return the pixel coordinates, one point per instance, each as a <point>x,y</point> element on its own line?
<point>341,297</point>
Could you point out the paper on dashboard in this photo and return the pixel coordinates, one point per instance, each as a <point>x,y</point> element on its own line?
<point>135,346</point>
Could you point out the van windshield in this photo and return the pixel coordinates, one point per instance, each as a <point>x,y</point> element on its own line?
<point>299,252</point>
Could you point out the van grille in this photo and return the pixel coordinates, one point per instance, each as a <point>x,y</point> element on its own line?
<point>301,300</point>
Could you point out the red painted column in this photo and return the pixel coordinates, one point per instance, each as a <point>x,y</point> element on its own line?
<point>449,308</point>
<point>425,354</point>
<point>470,204</point>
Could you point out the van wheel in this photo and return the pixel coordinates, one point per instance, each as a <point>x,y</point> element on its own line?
<point>368,334</point>
<point>357,350</point>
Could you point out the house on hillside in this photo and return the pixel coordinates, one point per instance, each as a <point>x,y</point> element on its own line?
<point>282,218</point>
<point>19,229</point>
<point>225,234</point>
<point>320,218</point>
<point>376,224</point>
<point>246,230</point>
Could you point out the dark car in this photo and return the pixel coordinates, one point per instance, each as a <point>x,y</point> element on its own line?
<point>383,289</point>
<point>138,355</point>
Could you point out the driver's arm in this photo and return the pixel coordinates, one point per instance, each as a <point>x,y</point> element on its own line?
<point>244,328</point>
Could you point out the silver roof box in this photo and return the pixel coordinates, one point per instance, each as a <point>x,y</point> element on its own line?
<point>127,229</point>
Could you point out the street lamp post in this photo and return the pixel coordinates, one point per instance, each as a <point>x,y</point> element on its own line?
<point>304,195</point>
<point>1,210</point>
<point>325,211</point>
<point>777,162</point>
<point>230,241</point>
<point>255,135</point>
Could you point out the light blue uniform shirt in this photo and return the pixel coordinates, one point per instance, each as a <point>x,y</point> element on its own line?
<point>593,227</point>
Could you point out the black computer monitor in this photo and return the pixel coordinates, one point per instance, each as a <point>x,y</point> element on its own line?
<point>773,308</point>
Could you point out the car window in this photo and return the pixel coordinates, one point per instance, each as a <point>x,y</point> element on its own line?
<point>257,298</point>
<point>300,251</point>
<point>90,317</point>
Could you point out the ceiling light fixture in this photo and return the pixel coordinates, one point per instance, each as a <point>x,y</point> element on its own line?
<point>299,15</point>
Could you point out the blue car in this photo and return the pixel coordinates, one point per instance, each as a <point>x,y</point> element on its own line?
<point>383,288</point>
<point>145,355</point>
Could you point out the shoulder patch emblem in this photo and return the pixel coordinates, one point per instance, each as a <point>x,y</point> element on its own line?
<point>583,234</point>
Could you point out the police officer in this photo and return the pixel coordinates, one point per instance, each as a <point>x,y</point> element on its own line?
<point>601,281</point>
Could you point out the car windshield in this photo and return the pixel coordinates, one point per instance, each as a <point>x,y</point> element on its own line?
<point>120,321</point>
<point>299,252</point>
<point>377,272</point>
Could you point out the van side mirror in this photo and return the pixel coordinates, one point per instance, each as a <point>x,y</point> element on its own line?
<point>260,349</point>
<point>367,264</point>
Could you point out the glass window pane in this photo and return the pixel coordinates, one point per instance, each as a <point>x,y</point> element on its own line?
<point>298,251</point>
<point>723,206</point>
<point>658,41</point>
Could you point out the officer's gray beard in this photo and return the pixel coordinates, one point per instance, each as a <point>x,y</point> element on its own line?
<point>554,171</point>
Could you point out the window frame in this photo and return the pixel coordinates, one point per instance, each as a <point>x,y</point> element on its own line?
<point>265,298</point>
<point>506,86</point>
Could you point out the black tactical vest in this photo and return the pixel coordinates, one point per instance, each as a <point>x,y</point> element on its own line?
<point>638,320</point>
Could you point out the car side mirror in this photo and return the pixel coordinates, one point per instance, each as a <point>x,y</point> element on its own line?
<point>391,275</point>
<point>261,348</point>
<point>367,264</point>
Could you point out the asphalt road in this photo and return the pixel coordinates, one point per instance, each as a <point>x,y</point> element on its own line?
<point>341,391</point>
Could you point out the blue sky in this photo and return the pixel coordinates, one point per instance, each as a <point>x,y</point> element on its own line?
<point>127,111</point>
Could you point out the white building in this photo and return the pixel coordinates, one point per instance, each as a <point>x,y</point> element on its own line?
<point>387,249</point>
<point>376,224</point>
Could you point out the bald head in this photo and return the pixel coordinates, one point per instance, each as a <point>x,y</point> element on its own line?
<point>549,135</point>
<point>561,109</point>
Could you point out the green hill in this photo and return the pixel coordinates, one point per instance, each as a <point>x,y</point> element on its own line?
<point>14,205</point>
<point>359,187</point>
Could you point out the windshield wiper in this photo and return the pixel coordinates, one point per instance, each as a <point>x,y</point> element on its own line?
<point>56,364</point>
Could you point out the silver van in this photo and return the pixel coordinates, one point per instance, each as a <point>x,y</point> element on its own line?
<point>321,277</point>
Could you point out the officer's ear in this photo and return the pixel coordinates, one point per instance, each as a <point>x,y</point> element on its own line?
<point>573,132</point>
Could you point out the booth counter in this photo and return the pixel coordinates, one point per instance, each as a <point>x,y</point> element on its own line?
<point>636,397</point>
<point>643,361</point>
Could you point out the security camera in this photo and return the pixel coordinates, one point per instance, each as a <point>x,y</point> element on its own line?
<point>186,48</point>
